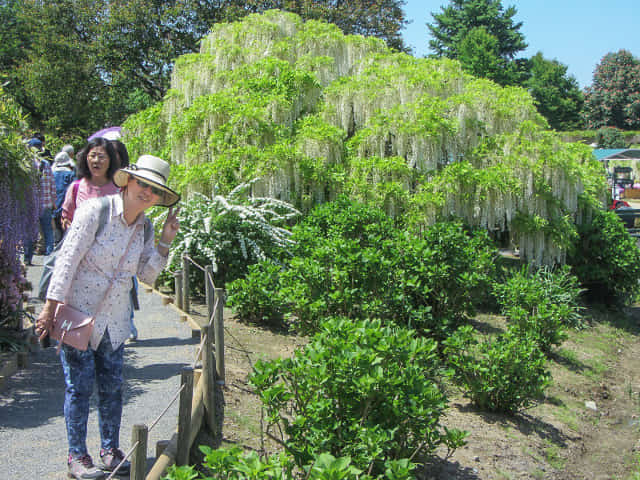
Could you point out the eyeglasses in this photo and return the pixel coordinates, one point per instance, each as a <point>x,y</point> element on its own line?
<point>97,156</point>
<point>154,190</point>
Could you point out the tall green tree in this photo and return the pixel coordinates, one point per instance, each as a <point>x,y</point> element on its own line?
<point>86,64</point>
<point>14,43</point>
<point>13,35</point>
<point>613,99</point>
<point>479,54</point>
<point>558,96</point>
<point>138,40</point>
<point>376,18</point>
<point>459,18</point>
<point>78,65</point>
<point>58,81</point>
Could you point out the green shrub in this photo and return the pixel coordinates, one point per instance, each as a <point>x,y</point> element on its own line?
<point>610,137</point>
<point>341,264</point>
<point>542,303</point>
<point>438,277</point>
<point>350,260</point>
<point>233,464</point>
<point>339,277</point>
<point>503,374</point>
<point>606,260</point>
<point>358,390</point>
<point>344,219</point>
<point>256,297</point>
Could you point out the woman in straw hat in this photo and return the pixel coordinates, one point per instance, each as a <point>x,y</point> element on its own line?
<point>87,277</point>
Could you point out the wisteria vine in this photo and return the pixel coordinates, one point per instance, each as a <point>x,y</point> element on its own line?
<point>19,212</point>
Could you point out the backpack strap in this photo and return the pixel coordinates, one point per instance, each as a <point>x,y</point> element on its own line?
<point>104,214</point>
<point>148,229</point>
<point>75,186</point>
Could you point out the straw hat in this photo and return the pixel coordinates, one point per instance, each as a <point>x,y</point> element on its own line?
<point>152,170</point>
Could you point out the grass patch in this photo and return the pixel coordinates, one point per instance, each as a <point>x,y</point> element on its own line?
<point>553,457</point>
<point>503,474</point>
<point>635,465</point>
<point>527,451</point>
<point>245,422</point>
<point>568,416</point>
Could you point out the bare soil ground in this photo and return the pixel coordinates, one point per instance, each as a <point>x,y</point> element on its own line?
<point>587,426</point>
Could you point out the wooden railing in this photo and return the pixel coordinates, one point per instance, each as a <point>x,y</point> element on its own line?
<point>199,387</point>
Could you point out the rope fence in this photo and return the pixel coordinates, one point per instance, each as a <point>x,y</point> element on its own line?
<point>197,403</point>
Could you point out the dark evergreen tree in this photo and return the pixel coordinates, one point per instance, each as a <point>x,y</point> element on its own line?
<point>458,19</point>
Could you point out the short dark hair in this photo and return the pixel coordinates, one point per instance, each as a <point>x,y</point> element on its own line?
<point>121,150</point>
<point>83,166</point>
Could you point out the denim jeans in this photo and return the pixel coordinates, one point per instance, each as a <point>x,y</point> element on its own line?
<point>47,233</point>
<point>80,369</point>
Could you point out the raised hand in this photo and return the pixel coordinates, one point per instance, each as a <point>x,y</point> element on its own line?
<point>171,226</point>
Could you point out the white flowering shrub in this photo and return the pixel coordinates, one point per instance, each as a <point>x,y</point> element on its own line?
<point>230,233</point>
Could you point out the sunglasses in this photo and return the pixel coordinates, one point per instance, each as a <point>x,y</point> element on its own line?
<point>154,190</point>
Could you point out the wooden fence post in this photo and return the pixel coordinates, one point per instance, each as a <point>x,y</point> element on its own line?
<point>184,417</point>
<point>178,280</point>
<point>208,378</point>
<point>208,282</point>
<point>140,434</point>
<point>186,303</point>
<point>218,332</point>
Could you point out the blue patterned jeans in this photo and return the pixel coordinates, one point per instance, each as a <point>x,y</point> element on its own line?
<point>80,369</point>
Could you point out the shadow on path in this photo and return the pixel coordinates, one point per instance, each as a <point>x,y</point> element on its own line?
<point>35,395</point>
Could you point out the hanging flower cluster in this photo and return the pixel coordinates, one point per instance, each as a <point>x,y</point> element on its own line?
<point>314,113</point>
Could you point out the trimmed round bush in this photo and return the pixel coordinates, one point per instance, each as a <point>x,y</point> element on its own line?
<point>358,389</point>
<point>255,298</point>
<point>501,374</point>
<point>542,303</point>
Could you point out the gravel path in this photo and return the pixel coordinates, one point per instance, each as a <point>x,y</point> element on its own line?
<point>32,430</point>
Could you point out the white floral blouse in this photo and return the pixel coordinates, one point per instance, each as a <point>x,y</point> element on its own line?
<point>86,264</point>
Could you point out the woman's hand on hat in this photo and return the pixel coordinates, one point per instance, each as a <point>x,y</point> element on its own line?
<point>171,226</point>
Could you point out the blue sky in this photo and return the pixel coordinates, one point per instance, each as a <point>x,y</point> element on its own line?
<point>577,33</point>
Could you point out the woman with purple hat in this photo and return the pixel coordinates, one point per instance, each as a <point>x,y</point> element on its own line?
<point>97,163</point>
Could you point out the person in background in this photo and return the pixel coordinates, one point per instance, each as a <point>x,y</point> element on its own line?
<point>97,163</point>
<point>69,150</point>
<point>44,151</point>
<point>46,194</point>
<point>86,271</point>
<point>64,173</point>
